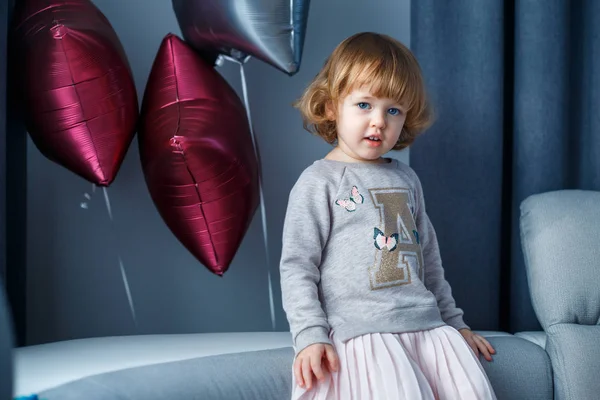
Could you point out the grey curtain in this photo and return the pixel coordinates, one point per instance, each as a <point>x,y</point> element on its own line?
<point>516,86</point>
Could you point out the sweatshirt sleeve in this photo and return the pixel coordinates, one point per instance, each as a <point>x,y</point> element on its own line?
<point>434,271</point>
<point>305,232</point>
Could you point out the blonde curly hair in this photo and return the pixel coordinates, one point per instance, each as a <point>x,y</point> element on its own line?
<point>379,62</point>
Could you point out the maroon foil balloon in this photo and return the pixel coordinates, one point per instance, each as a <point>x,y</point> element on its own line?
<point>75,86</point>
<point>197,154</point>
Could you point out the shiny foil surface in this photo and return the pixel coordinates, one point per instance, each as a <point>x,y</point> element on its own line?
<point>197,154</point>
<point>74,86</point>
<point>270,30</point>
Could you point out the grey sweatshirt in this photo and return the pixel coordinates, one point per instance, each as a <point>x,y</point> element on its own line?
<point>360,255</point>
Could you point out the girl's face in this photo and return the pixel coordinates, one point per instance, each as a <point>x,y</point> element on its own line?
<point>368,127</point>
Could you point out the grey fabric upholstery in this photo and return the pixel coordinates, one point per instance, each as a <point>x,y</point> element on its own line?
<point>537,337</point>
<point>575,354</point>
<point>263,375</point>
<point>560,233</point>
<point>520,370</point>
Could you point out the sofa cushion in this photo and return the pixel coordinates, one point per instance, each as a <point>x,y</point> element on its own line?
<point>520,370</point>
<point>44,366</point>
<point>489,334</point>
<point>264,375</point>
<point>537,337</point>
<point>48,365</point>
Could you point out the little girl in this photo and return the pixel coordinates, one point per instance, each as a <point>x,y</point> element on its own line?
<point>371,314</point>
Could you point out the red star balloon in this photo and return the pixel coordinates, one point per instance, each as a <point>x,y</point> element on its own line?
<point>74,86</point>
<point>197,154</point>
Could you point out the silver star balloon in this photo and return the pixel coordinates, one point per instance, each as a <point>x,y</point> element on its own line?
<point>270,30</point>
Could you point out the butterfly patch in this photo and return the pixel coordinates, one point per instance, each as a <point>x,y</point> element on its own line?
<point>382,241</point>
<point>350,204</point>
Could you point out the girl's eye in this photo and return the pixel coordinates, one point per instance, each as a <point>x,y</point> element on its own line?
<point>394,111</point>
<point>363,106</point>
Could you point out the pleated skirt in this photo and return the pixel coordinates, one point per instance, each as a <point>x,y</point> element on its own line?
<point>432,364</point>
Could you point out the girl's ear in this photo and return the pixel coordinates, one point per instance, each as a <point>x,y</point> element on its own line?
<point>330,110</point>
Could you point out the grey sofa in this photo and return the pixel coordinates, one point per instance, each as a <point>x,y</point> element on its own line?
<point>561,240</point>
<point>521,370</point>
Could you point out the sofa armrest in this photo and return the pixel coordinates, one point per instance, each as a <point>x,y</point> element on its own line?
<point>575,354</point>
<point>520,370</point>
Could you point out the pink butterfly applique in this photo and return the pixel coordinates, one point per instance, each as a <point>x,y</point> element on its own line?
<point>382,241</point>
<point>350,204</point>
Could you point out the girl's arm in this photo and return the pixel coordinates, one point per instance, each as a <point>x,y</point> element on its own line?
<point>305,233</point>
<point>432,263</point>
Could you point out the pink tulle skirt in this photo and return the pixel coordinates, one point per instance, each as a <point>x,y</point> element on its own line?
<point>432,364</point>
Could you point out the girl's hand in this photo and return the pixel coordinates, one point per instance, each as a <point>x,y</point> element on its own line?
<point>311,360</point>
<point>478,343</point>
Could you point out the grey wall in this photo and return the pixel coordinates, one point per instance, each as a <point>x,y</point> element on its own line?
<point>74,282</point>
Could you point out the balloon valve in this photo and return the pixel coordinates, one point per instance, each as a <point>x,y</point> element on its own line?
<point>176,144</point>
<point>236,54</point>
<point>58,30</point>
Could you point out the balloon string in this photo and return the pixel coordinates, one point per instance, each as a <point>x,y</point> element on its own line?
<point>262,197</point>
<point>293,31</point>
<point>121,266</point>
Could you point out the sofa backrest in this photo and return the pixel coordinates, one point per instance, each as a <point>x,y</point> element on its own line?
<point>560,236</point>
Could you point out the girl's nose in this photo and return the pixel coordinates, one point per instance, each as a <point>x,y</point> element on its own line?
<point>378,120</point>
